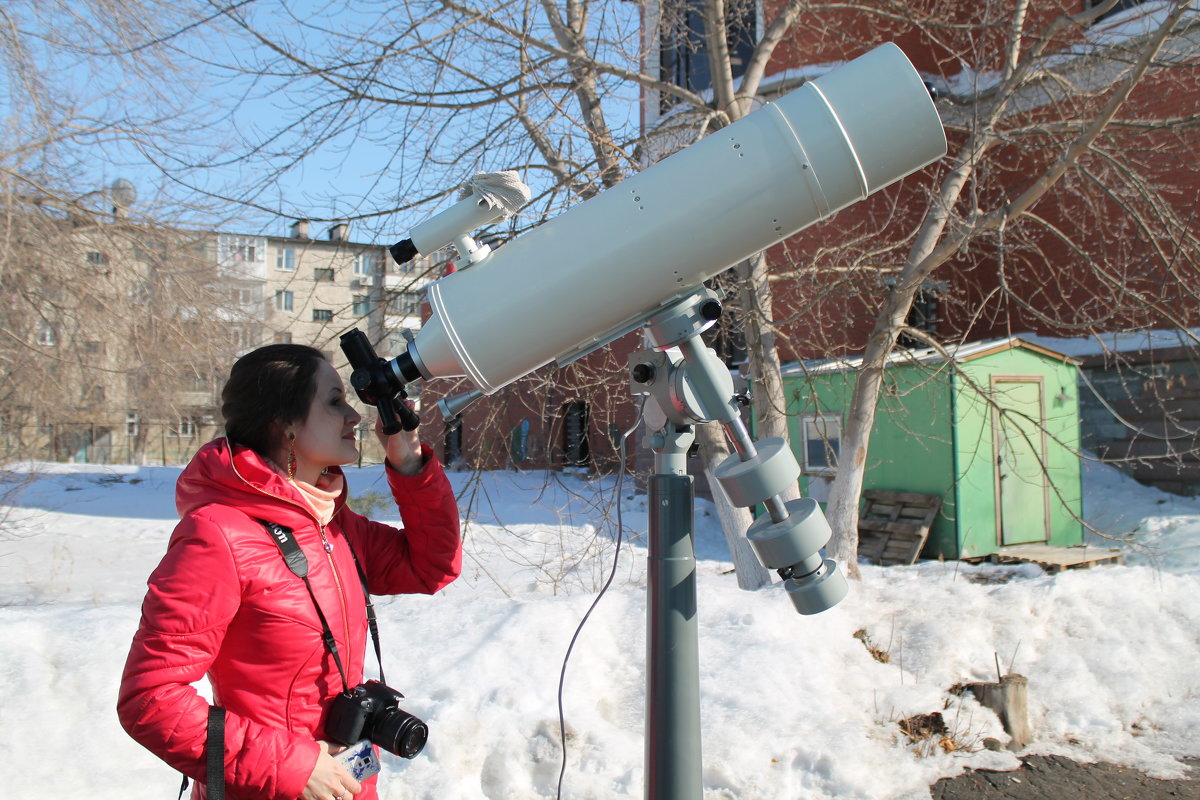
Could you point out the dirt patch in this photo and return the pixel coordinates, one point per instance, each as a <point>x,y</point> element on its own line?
<point>1059,778</point>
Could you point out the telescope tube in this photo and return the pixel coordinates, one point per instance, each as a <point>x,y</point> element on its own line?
<point>603,266</point>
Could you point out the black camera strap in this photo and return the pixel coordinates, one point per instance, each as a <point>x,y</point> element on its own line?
<point>215,747</point>
<point>297,562</point>
<point>214,757</point>
<point>372,623</point>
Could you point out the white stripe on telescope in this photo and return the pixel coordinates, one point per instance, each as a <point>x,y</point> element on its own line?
<point>602,267</point>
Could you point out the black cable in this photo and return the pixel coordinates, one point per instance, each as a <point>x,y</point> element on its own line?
<point>562,676</point>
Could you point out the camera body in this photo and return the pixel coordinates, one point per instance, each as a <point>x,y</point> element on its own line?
<point>372,711</point>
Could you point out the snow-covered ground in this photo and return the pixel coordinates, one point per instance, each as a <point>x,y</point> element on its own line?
<point>791,706</point>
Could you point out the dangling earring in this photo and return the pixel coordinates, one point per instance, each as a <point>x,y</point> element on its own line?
<point>291,467</point>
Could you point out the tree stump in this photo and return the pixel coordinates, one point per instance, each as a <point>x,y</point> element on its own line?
<point>1010,700</point>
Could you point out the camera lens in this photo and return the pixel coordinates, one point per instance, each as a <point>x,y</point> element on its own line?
<point>399,732</point>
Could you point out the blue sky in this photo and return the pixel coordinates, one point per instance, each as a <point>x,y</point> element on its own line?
<point>213,112</point>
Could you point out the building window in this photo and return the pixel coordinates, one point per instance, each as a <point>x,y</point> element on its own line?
<point>243,337</point>
<point>575,434</point>
<point>283,337</point>
<point>322,315</point>
<point>922,316</point>
<point>407,304</point>
<point>683,58</point>
<point>241,250</point>
<point>132,425</point>
<point>243,296</point>
<point>183,428</point>
<point>366,264</point>
<point>362,305</point>
<point>197,382</point>
<point>452,442</point>
<point>323,274</point>
<point>285,259</point>
<point>518,441</point>
<point>97,259</point>
<point>822,444</point>
<point>93,395</point>
<point>283,300</point>
<point>47,336</point>
<point>1122,5</point>
<point>93,348</point>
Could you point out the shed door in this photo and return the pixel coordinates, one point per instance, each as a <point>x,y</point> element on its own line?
<point>1021,485</point>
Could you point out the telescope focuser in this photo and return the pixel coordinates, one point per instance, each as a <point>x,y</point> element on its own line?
<point>377,384</point>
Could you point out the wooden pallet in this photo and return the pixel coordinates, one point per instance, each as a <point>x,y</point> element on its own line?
<point>893,526</point>
<point>1056,559</point>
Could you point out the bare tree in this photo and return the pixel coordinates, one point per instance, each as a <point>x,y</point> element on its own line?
<point>1037,104</point>
<point>108,312</point>
<point>1063,107</point>
<point>549,88</point>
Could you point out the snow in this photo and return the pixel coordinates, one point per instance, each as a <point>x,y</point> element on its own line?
<point>791,706</point>
<point>1119,342</point>
<point>1137,20</point>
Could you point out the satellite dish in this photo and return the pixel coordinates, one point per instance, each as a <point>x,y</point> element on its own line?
<point>123,192</point>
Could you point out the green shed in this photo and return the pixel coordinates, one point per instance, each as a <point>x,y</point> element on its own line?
<point>994,433</point>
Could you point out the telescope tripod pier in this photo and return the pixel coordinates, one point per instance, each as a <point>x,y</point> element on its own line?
<point>672,630</point>
<point>690,385</point>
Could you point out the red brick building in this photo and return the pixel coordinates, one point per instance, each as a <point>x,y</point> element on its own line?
<point>1111,246</point>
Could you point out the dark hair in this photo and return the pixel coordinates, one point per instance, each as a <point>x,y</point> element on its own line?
<point>269,389</point>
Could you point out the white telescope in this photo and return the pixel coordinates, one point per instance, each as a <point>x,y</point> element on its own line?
<point>638,255</point>
<point>597,271</point>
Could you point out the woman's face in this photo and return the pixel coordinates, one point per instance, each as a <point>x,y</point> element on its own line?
<point>326,436</point>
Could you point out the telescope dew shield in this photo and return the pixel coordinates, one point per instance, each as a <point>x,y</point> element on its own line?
<point>604,265</point>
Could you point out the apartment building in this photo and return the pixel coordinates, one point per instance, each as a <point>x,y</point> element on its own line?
<point>129,331</point>
<point>312,285</point>
<point>300,289</point>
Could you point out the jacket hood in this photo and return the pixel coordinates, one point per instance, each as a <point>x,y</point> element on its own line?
<point>230,474</point>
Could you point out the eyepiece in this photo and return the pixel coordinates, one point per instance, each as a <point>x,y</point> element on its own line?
<point>403,251</point>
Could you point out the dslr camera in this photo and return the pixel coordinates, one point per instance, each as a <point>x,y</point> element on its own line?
<point>372,711</point>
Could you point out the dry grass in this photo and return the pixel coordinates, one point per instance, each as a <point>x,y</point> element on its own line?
<point>879,654</point>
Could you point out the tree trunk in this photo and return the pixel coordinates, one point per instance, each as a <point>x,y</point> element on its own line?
<point>842,510</point>
<point>932,247</point>
<point>766,370</point>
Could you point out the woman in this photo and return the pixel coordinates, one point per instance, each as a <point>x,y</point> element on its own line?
<point>224,602</point>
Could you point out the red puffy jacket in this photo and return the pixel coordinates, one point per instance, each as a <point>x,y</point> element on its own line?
<point>223,602</point>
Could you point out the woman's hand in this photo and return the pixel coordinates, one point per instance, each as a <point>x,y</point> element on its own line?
<point>403,448</point>
<point>329,779</point>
